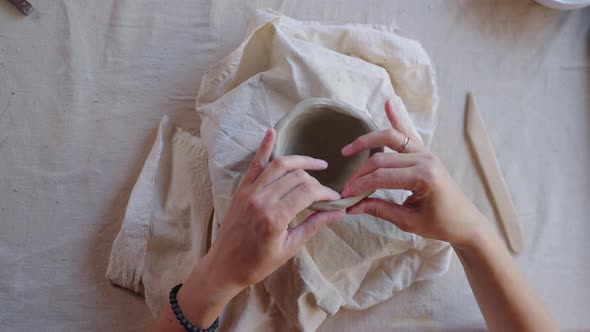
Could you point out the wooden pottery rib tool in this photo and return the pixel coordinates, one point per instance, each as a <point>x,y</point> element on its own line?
<point>23,5</point>
<point>486,156</point>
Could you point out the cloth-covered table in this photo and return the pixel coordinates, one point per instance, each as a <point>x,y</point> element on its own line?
<point>84,84</point>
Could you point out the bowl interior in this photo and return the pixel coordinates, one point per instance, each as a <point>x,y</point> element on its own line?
<point>321,132</point>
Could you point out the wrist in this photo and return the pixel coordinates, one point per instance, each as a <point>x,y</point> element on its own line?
<point>474,235</point>
<point>205,293</point>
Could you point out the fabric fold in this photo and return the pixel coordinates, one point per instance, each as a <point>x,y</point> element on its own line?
<point>355,263</point>
<point>360,261</point>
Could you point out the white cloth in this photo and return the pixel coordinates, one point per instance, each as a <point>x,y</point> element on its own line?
<point>92,80</point>
<point>361,260</point>
<point>355,263</point>
<point>164,231</point>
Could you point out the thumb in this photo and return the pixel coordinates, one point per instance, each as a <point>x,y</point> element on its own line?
<point>311,226</point>
<point>389,211</point>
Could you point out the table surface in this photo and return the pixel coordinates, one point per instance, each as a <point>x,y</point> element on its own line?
<point>83,85</point>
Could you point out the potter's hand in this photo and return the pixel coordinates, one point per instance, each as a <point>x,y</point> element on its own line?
<point>254,240</point>
<point>436,209</point>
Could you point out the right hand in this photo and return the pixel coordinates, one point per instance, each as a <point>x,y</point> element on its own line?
<point>436,209</point>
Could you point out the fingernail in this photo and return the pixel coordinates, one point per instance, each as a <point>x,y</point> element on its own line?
<point>336,195</point>
<point>346,149</point>
<point>346,191</point>
<point>267,134</point>
<point>322,163</point>
<point>344,188</point>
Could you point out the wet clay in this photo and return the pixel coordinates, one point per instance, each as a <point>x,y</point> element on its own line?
<point>320,128</point>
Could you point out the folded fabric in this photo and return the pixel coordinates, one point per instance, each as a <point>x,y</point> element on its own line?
<point>359,261</point>
<point>164,231</point>
<point>355,263</point>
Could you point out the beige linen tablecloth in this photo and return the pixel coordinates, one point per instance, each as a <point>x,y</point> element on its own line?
<point>84,84</point>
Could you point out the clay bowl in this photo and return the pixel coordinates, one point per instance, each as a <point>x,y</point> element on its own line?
<point>320,128</point>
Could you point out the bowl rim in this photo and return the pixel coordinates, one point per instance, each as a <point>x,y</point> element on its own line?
<point>338,106</point>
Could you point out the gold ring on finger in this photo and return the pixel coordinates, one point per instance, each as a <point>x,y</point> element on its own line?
<point>404,144</point>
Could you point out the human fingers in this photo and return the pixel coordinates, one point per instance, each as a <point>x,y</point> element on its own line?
<point>422,178</point>
<point>384,178</point>
<point>282,165</point>
<point>383,160</point>
<point>310,227</point>
<point>390,138</point>
<point>302,196</point>
<point>281,187</point>
<point>392,212</point>
<point>261,157</point>
<point>398,122</point>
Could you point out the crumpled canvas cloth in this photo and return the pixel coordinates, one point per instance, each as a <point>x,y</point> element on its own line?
<point>164,231</point>
<point>355,263</point>
<point>359,261</point>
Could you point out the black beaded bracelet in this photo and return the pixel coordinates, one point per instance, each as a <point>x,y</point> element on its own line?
<point>180,317</point>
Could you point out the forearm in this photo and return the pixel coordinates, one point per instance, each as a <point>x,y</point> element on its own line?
<point>506,300</point>
<point>201,299</point>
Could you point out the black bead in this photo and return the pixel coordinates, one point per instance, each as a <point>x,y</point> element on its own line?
<point>180,317</point>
